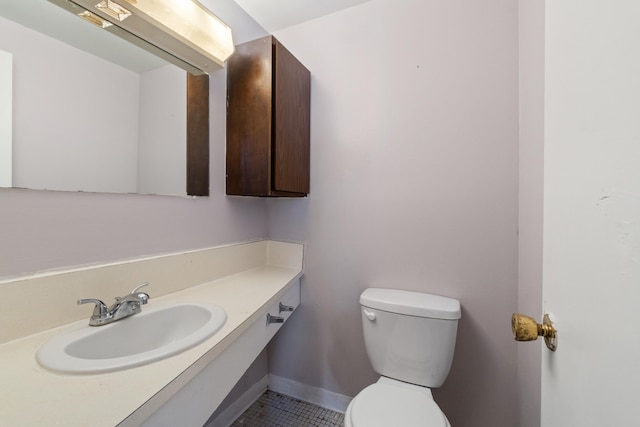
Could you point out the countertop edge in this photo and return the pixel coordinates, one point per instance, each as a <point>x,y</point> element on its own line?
<point>163,395</point>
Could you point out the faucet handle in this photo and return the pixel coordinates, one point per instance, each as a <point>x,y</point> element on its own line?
<point>99,310</point>
<point>142,296</point>
<point>141,285</point>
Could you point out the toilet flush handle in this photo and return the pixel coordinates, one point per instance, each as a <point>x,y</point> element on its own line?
<point>370,314</point>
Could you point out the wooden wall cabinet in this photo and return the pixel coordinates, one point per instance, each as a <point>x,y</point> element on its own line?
<point>268,121</point>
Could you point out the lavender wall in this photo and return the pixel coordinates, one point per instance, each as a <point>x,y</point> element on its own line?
<point>41,230</point>
<point>414,185</point>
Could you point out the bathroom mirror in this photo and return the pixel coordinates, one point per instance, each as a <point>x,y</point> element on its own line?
<point>94,113</point>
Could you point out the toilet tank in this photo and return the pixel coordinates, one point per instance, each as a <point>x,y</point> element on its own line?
<point>410,336</point>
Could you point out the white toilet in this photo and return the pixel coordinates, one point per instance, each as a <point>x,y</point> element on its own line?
<point>410,339</point>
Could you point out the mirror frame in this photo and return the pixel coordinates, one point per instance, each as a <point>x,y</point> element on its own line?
<point>197,135</point>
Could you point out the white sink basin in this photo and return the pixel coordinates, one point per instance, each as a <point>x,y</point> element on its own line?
<point>149,336</point>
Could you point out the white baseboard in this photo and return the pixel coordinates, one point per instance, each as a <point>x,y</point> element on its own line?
<point>317,396</point>
<point>237,408</point>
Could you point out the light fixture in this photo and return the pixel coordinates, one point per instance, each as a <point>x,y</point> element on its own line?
<point>182,32</point>
<point>114,10</point>
<point>94,19</point>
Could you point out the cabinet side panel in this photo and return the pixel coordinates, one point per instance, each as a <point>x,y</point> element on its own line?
<point>249,88</point>
<point>197,135</point>
<point>292,123</point>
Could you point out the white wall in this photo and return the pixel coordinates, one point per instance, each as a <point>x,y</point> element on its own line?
<point>414,179</point>
<point>6,101</point>
<point>592,212</point>
<point>68,105</point>
<point>531,165</point>
<point>162,148</point>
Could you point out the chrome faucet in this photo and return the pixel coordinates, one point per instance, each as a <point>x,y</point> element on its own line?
<point>123,307</point>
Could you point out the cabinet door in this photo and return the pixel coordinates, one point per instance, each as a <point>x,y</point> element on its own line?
<point>291,122</point>
<point>268,121</point>
<point>249,106</point>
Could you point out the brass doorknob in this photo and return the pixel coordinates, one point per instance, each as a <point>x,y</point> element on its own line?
<point>526,328</point>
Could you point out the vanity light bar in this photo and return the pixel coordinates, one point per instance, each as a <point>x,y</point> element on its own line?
<point>94,19</point>
<point>114,10</point>
<point>182,32</point>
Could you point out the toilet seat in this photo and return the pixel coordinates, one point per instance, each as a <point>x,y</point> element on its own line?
<point>393,403</point>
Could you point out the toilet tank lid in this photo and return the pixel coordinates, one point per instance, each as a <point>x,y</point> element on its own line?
<point>411,303</point>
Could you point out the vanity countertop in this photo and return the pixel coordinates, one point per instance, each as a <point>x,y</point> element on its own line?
<point>33,396</point>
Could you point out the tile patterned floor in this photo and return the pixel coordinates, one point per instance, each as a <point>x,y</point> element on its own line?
<point>278,410</point>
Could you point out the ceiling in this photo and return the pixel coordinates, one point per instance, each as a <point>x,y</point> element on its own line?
<point>275,15</point>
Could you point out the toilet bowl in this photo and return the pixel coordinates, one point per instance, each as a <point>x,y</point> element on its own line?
<point>410,339</point>
<point>391,403</point>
